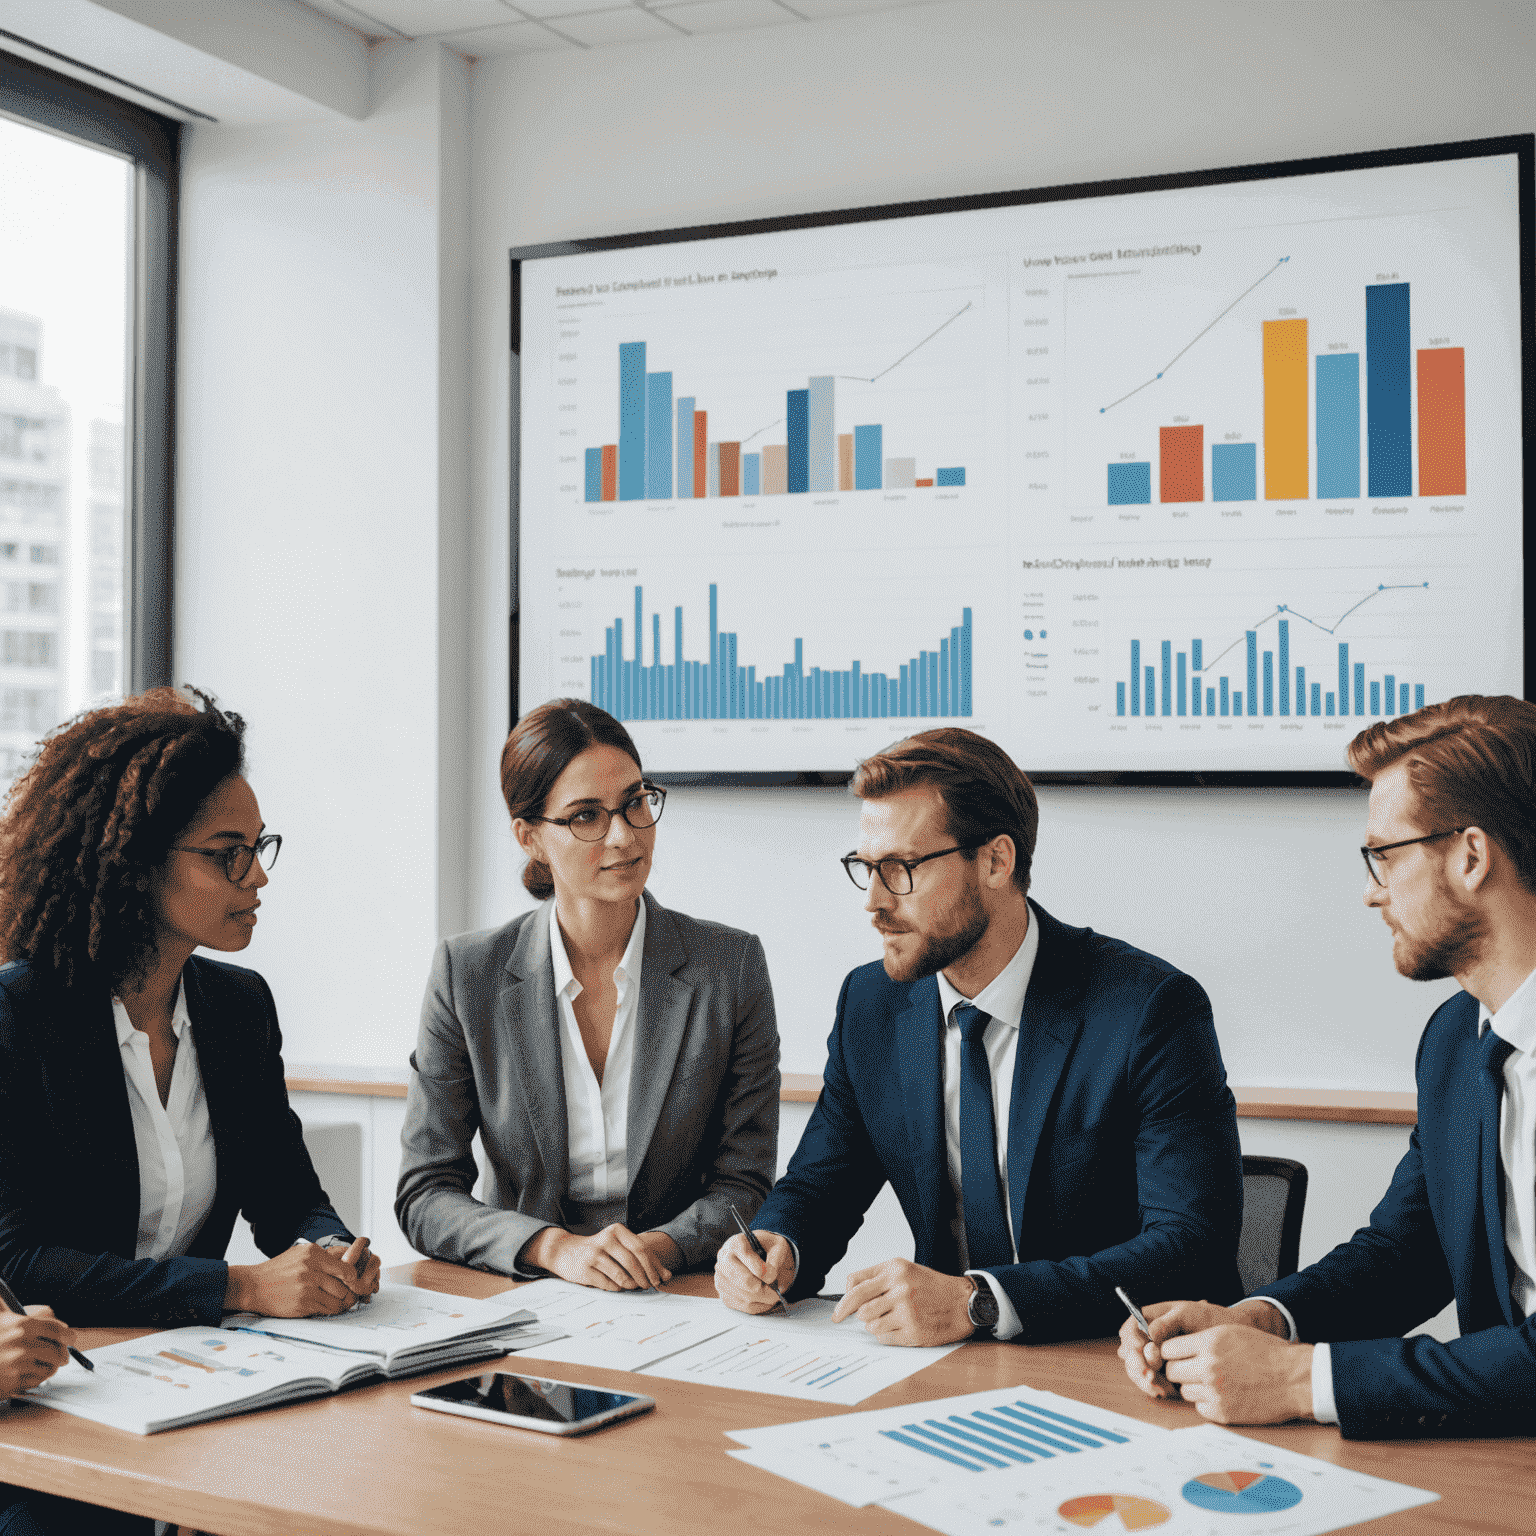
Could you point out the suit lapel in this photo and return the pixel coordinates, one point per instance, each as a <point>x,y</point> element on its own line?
<point>920,1050</point>
<point>661,1022</point>
<point>88,1075</point>
<point>1048,1030</point>
<point>1491,1177</point>
<point>528,1020</point>
<point>218,1063</point>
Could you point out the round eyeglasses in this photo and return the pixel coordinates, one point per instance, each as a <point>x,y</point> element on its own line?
<point>237,860</point>
<point>591,823</point>
<point>1378,865</point>
<point>895,874</point>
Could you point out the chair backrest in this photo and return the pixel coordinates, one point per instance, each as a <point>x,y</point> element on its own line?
<point>1274,1194</point>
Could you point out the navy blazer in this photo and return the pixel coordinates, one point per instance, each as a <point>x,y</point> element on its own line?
<point>1123,1159</point>
<point>69,1170</point>
<point>1438,1233</point>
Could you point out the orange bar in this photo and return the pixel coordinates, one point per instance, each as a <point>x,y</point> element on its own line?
<point>700,453</point>
<point>845,461</point>
<point>1443,421</point>
<point>1181,464</point>
<point>610,471</point>
<point>730,469</point>
<point>922,482</point>
<point>1286,464</point>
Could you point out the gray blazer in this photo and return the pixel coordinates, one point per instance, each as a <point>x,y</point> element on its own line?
<point>703,1096</point>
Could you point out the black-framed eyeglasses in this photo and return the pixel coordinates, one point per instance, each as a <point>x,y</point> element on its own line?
<point>237,860</point>
<point>895,874</point>
<point>591,823</point>
<point>1378,866</point>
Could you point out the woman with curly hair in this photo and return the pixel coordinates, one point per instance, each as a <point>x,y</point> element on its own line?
<point>142,1102</point>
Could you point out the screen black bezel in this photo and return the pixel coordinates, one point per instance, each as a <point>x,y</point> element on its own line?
<point>1522,146</point>
<point>443,1393</point>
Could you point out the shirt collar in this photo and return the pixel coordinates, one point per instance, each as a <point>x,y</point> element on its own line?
<point>180,1019</point>
<point>627,970</point>
<point>1516,1020</point>
<point>1003,997</point>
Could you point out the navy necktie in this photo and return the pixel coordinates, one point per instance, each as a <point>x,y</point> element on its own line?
<point>1495,1052</point>
<point>986,1217</point>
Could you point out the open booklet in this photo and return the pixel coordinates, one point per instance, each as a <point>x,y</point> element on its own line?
<point>187,1375</point>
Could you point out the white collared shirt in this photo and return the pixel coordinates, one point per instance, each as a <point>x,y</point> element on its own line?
<point>1515,1022</point>
<point>178,1167</point>
<point>1003,1000</point>
<point>597,1114</point>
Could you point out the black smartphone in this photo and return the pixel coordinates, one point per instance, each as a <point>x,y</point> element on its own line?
<point>533,1402</point>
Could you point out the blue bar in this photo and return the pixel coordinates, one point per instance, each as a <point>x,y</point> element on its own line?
<point>797,461</point>
<point>1285,670</point>
<point>1328,701</point>
<point>1418,695</point>
<point>1387,390</point>
<point>981,1424</point>
<point>1225,701</point>
<point>685,408</point>
<point>1151,691</point>
<point>1301,690</point>
<point>594,475</point>
<point>1237,701</point>
<point>918,1445</point>
<point>969,1435</point>
<point>1375,698</point>
<point>965,661</point>
<point>1402,708</point>
<point>1269,682</point>
<point>1338,425</point>
<point>1389,693</point>
<point>1135,674</point>
<point>1210,699</point>
<point>1183,685</point>
<point>1130,485</point>
<point>1317,698</point>
<point>1253,672</point>
<point>1343,679</point>
<point>1195,694</point>
<point>955,476</point>
<point>868,463</point>
<point>1167,678</point>
<point>1234,471</point>
<point>658,436</point>
<point>1196,656</point>
<point>632,421</point>
<point>714,653</point>
<point>1119,695</point>
<point>751,474</point>
<point>1048,1432</point>
<point>943,677</point>
<point>1359,691</point>
<point>1032,1439</point>
<point>1093,1429</point>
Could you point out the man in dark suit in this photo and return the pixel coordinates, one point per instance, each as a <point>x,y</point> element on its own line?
<point>1048,1104</point>
<point>1451,850</point>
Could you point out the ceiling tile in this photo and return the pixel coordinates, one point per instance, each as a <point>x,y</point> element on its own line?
<point>620,24</point>
<point>817,10</point>
<point>425,18</point>
<point>520,37</point>
<point>550,9</point>
<point>724,15</point>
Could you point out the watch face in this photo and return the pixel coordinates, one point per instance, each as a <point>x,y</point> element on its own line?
<point>982,1308</point>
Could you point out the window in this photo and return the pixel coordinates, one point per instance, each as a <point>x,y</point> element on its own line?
<point>87,182</point>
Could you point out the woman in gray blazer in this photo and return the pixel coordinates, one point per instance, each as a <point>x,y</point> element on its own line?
<point>619,1060</point>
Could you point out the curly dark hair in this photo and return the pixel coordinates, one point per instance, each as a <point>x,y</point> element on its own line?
<point>87,825</point>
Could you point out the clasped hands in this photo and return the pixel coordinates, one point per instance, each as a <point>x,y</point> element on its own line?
<point>614,1259</point>
<point>1235,1364</point>
<point>305,1281</point>
<point>898,1302</point>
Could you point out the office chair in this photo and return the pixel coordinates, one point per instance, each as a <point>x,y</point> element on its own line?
<point>1274,1193</point>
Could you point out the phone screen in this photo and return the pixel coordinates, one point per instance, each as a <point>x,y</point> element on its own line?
<point>528,1397</point>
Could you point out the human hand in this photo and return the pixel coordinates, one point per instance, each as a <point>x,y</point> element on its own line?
<point>303,1281</point>
<point>1143,1357</point>
<point>1241,1375</point>
<point>745,1282</point>
<point>32,1348</point>
<point>900,1302</point>
<point>614,1259</point>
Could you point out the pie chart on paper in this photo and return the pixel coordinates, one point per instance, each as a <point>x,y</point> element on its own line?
<point>1241,1493</point>
<point>1121,1511</point>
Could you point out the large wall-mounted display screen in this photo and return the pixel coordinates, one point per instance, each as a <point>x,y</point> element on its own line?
<point>1201,474</point>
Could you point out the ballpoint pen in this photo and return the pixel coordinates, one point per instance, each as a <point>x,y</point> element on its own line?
<point>1135,1311</point>
<point>757,1248</point>
<point>8,1296</point>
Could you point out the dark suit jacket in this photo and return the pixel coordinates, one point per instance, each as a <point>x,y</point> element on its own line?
<point>703,1127</point>
<point>1438,1233</point>
<point>1123,1160</point>
<point>69,1171</point>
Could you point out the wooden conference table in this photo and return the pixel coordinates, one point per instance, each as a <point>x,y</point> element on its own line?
<point>367,1462</point>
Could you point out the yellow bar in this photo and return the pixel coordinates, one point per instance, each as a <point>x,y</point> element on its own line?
<point>1285,410</point>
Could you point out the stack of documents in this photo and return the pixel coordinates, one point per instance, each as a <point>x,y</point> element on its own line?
<point>1030,1461</point>
<point>690,1338</point>
<point>188,1375</point>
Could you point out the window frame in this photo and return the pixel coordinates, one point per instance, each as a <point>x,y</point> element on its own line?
<point>56,103</point>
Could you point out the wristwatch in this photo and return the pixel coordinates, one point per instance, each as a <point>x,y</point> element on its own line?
<point>982,1308</point>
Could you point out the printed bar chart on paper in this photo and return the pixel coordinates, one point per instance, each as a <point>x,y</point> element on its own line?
<point>934,683</point>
